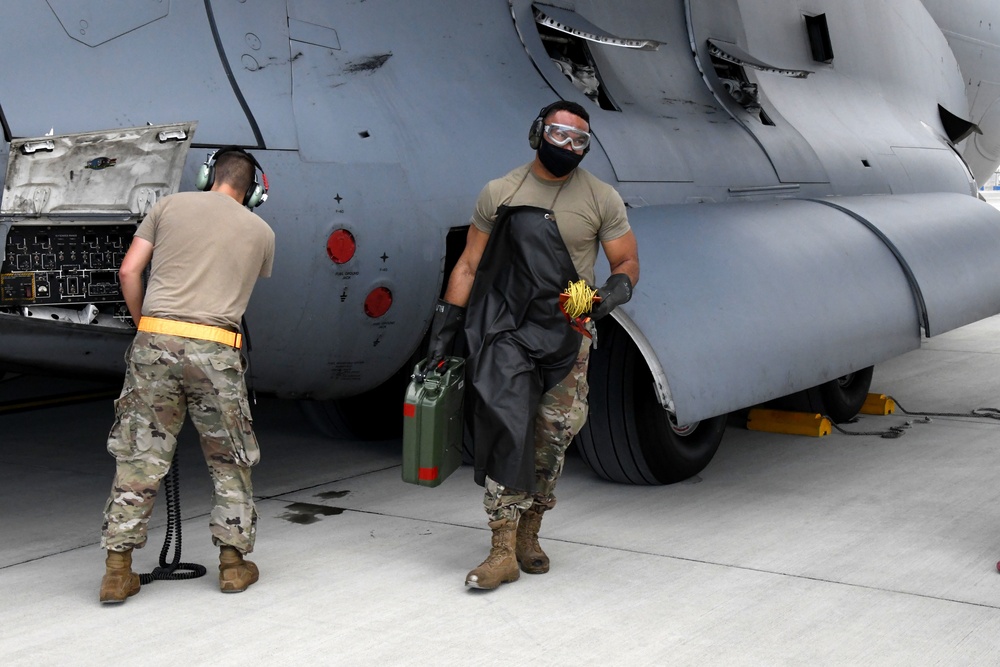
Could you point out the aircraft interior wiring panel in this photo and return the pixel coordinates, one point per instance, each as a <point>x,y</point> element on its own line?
<point>63,265</point>
<point>70,207</point>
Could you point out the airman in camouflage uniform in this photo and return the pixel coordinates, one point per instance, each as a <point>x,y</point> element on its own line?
<point>204,251</point>
<point>561,415</point>
<point>178,376</point>
<point>590,215</point>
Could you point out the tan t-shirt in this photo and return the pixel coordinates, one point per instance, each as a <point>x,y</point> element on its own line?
<point>588,210</point>
<point>208,251</point>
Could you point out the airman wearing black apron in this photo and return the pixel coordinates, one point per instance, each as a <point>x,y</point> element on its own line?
<point>534,231</point>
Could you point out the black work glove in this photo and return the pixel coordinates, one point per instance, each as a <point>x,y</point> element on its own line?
<point>447,322</point>
<point>615,292</point>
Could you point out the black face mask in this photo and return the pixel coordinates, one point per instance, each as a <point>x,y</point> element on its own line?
<point>558,161</point>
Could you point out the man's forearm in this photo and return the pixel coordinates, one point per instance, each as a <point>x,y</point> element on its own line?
<point>459,286</point>
<point>630,268</point>
<point>133,293</point>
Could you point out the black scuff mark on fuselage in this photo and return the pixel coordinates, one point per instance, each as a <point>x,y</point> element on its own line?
<point>369,64</point>
<point>707,108</point>
<point>271,61</point>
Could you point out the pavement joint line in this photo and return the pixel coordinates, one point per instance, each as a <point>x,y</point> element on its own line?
<point>948,349</point>
<point>699,561</point>
<point>782,574</point>
<point>638,552</point>
<point>56,400</point>
<point>277,496</point>
<point>714,563</point>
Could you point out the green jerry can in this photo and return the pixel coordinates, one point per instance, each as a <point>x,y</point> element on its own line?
<point>432,423</point>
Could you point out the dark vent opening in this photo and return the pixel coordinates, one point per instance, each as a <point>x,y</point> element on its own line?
<point>819,38</point>
<point>955,127</point>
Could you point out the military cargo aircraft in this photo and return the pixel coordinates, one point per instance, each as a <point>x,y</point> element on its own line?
<point>801,176</point>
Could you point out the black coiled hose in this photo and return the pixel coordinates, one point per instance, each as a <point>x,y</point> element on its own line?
<point>175,569</point>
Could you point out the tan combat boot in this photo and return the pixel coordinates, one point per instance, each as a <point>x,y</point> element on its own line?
<point>501,565</point>
<point>119,580</point>
<point>235,574</point>
<point>529,553</point>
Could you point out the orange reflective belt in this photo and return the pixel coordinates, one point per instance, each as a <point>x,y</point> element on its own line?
<point>189,330</point>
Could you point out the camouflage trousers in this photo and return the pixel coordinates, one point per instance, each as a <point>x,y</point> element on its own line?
<point>561,414</point>
<point>166,378</point>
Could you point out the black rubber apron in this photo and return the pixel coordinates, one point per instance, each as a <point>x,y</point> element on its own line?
<point>520,342</point>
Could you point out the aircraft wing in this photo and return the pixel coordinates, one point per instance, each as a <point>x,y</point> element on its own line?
<point>746,302</point>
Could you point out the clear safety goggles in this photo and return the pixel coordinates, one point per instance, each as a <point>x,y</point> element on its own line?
<point>560,135</point>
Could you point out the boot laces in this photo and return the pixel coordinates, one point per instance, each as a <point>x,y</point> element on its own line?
<point>499,551</point>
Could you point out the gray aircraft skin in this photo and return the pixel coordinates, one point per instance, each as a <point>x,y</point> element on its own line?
<point>801,177</point>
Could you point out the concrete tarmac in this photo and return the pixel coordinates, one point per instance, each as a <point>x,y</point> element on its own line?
<point>785,550</point>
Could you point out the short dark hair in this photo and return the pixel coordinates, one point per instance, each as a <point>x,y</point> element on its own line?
<point>572,107</point>
<point>236,169</point>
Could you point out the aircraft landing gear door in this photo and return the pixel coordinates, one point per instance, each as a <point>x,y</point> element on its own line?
<point>584,60</point>
<point>737,79</point>
<point>70,207</point>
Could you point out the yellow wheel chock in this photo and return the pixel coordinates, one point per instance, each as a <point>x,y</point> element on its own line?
<point>783,421</point>
<point>811,424</point>
<point>878,404</point>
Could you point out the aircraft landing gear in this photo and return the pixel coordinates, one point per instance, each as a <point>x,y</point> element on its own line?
<point>629,437</point>
<point>840,399</point>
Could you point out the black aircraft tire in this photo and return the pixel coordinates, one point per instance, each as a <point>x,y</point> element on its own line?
<point>628,437</point>
<point>841,399</point>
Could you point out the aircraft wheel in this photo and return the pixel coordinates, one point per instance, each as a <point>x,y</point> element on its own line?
<point>629,437</point>
<point>841,399</point>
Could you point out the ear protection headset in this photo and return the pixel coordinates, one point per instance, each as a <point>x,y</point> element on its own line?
<point>255,195</point>
<point>538,128</point>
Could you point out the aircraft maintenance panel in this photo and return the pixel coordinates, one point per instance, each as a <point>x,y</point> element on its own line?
<point>47,265</point>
